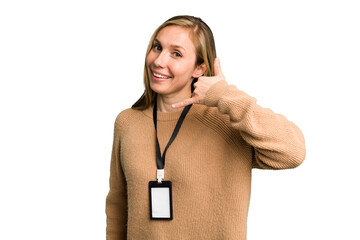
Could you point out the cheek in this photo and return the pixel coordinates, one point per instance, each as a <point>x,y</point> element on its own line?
<point>149,59</point>
<point>182,70</point>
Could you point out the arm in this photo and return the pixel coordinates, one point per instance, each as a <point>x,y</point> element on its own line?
<point>277,142</point>
<point>116,203</point>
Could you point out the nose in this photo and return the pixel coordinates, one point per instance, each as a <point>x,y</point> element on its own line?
<point>161,60</point>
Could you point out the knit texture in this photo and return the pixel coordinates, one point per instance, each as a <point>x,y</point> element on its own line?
<point>209,165</point>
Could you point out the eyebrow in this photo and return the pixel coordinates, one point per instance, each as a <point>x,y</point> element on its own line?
<point>172,45</point>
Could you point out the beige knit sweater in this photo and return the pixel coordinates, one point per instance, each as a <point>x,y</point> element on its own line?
<point>209,164</point>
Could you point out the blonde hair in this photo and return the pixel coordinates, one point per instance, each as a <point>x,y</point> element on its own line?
<point>205,52</point>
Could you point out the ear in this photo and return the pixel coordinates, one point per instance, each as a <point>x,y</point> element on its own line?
<point>199,70</point>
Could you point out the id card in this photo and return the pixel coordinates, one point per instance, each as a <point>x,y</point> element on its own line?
<point>160,200</point>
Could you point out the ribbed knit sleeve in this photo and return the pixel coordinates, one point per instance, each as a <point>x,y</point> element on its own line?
<point>277,142</point>
<point>116,203</point>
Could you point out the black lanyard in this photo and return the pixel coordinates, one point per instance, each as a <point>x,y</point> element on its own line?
<point>160,160</point>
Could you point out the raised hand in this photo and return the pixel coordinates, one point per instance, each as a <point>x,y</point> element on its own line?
<point>202,86</point>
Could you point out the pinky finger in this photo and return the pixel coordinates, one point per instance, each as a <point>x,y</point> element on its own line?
<point>184,103</point>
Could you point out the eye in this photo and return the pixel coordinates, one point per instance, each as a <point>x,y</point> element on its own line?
<point>177,54</point>
<point>157,47</point>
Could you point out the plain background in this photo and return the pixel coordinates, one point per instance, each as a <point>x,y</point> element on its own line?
<point>67,68</point>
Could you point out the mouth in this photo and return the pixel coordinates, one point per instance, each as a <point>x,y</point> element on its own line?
<point>159,77</point>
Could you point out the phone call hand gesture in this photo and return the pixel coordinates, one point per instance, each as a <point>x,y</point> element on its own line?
<point>202,86</point>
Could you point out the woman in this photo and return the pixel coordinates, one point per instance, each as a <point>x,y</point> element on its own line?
<point>222,137</point>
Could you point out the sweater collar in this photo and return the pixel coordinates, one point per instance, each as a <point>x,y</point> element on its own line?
<point>169,116</point>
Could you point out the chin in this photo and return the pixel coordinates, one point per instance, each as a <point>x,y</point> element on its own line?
<point>159,89</point>
<point>169,88</point>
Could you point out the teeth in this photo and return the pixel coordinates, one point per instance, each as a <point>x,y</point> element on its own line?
<point>159,76</point>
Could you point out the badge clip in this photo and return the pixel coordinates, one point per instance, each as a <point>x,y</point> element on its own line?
<point>160,175</point>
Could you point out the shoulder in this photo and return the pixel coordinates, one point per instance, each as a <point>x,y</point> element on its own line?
<point>220,125</point>
<point>212,118</point>
<point>127,117</point>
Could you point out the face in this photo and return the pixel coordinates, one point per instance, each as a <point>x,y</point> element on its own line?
<point>171,62</point>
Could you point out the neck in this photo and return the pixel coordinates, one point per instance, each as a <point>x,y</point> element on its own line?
<point>164,102</point>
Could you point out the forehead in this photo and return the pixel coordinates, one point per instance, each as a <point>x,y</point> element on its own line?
<point>176,36</point>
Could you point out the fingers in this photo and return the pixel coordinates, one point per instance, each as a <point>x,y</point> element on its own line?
<point>217,67</point>
<point>184,103</point>
<point>200,92</point>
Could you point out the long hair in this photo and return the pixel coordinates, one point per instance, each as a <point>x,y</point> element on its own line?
<point>205,52</point>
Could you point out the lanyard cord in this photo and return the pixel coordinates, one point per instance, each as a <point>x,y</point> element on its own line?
<point>160,160</point>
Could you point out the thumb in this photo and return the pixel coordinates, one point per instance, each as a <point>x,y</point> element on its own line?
<point>217,68</point>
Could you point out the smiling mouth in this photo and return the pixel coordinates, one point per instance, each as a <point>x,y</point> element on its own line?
<point>159,75</point>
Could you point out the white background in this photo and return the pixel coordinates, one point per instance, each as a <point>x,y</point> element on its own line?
<point>67,68</point>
